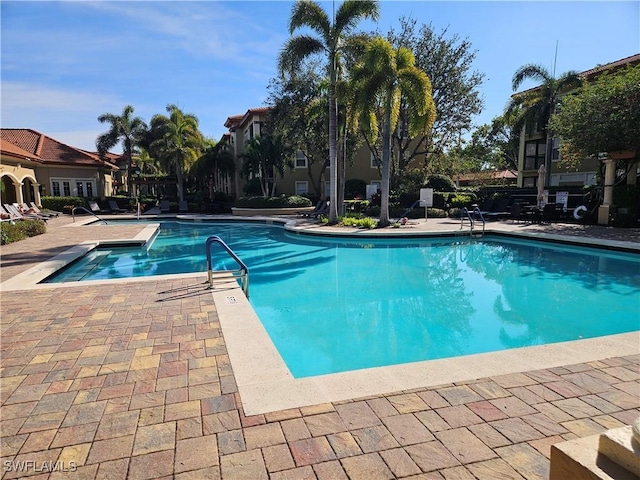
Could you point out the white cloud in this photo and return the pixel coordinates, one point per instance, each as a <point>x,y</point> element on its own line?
<point>46,109</point>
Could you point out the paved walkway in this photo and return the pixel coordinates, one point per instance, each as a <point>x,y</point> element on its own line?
<point>133,380</point>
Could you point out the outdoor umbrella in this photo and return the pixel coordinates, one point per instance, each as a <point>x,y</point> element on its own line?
<point>541,172</point>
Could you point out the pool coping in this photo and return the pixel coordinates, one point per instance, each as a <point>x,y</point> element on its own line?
<point>266,384</point>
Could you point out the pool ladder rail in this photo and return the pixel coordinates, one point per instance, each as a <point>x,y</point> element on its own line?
<point>73,214</point>
<point>242,273</point>
<point>465,214</point>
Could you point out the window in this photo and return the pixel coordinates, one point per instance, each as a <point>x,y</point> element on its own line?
<point>528,182</point>
<point>302,188</point>
<point>327,189</point>
<point>300,160</point>
<point>555,152</point>
<point>374,161</point>
<point>81,187</point>
<point>534,154</point>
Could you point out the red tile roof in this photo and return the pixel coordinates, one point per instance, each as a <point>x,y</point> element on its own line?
<point>49,150</point>
<point>235,120</point>
<point>13,150</point>
<point>592,73</point>
<point>632,60</point>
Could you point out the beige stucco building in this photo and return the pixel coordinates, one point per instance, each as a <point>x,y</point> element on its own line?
<point>33,165</point>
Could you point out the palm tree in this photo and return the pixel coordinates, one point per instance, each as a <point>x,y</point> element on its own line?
<point>534,107</point>
<point>213,168</point>
<point>126,129</point>
<point>384,78</point>
<point>176,140</point>
<point>263,158</point>
<point>332,34</point>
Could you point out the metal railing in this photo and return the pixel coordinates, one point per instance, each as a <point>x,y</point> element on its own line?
<point>465,214</point>
<point>242,273</point>
<point>73,214</point>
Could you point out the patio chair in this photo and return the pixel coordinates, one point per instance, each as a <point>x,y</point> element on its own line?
<point>6,216</point>
<point>17,214</point>
<point>324,209</point>
<point>549,213</point>
<point>113,205</point>
<point>51,213</point>
<point>183,206</point>
<point>165,207</point>
<point>317,208</point>
<point>95,208</point>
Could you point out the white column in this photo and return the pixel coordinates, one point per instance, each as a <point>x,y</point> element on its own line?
<point>609,180</point>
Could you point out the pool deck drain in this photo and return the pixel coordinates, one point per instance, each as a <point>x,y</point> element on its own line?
<point>138,379</point>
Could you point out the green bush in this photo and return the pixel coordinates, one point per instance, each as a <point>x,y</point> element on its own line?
<point>354,221</point>
<point>21,229</point>
<point>459,200</point>
<point>294,201</point>
<point>440,183</point>
<point>58,204</point>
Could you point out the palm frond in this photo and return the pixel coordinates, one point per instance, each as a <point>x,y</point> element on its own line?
<point>307,13</point>
<point>296,49</point>
<point>352,11</point>
<point>532,72</point>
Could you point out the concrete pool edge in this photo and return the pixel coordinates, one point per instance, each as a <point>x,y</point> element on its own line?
<point>266,384</point>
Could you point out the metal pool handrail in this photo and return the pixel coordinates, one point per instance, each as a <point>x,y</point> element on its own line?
<point>73,214</point>
<point>242,273</point>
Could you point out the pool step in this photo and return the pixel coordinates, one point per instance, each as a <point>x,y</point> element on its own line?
<point>93,260</point>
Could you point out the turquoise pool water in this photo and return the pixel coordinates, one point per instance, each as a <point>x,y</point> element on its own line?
<point>339,304</point>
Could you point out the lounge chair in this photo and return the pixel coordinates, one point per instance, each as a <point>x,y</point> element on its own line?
<point>317,208</point>
<point>7,216</point>
<point>501,209</point>
<point>324,209</point>
<point>50,213</point>
<point>95,208</point>
<point>183,206</point>
<point>18,215</point>
<point>113,205</point>
<point>165,207</point>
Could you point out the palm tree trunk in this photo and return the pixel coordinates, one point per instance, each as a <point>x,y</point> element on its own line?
<point>333,172</point>
<point>179,181</point>
<point>386,167</point>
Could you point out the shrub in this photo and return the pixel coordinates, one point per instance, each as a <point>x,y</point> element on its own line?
<point>459,200</point>
<point>21,229</point>
<point>353,221</point>
<point>294,201</point>
<point>440,183</point>
<point>58,204</point>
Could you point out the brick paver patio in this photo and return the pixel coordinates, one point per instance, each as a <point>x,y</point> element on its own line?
<point>132,380</point>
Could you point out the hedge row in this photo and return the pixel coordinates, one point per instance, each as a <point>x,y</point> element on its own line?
<point>20,229</point>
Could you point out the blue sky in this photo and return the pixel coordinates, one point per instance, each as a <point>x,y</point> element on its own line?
<point>66,63</point>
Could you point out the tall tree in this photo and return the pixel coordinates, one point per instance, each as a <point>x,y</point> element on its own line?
<point>264,157</point>
<point>448,62</point>
<point>533,108</point>
<point>330,40</point>
<point>214,168</point>
<point>384,77</point>
<point>299,116</point>
<point>601,117</point>
<point>125,129</point>
<point>177,141</point>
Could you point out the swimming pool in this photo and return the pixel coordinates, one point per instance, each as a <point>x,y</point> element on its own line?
<point>340,304</point>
